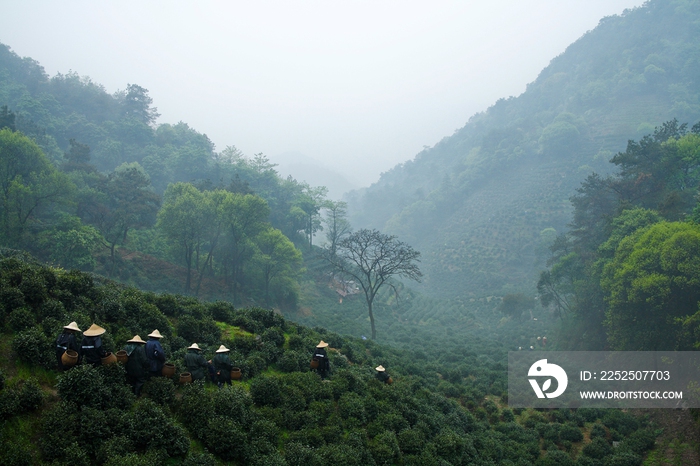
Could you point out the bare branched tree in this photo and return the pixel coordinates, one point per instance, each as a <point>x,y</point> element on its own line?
<point>372,258</point>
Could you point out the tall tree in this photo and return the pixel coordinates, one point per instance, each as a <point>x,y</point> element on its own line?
<point>127,202</point>
<point>137,104</point>
<point>652,282</point>
<point>28,182</point>
<point>245,216</point>
<point>373,258</point>
<point>337,224</point>
<point>310,202</point>
<point>181,220</point>
<point>277,258</point>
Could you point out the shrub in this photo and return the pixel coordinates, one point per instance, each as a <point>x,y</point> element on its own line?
<point>297,454</point>
<point>199,459</point>
<point>265,391</point>
<point>93,428</point>
<point>168,304</point>
<point>31,397</point>
<point>297,343</point>
<point>597,449</point>
<point>151,429</point>
<point>293,361</point>
<point>33,347</point>
<point>351,405</point>
<point>222,311</point>
<point>21,319</point>
<point>639,441</point>
<point>624,458</point>
<point>411,441</point>
<point>83,385</point>
<point>233,402</point>
<point>59,427</point>
<point>274,335</point>
<point>13,454</point>
<point>9,403</point>
<point>555,458</point>
<point>340,454</point>
<point>385,448</point>
<point>571,433</point>
<point>11,298</point>
<point>621,421</point>
<point>598,431</point>
<point>226,439</point>
<point>507,415</point>
<point>114,447</point>
<point>160,389</point>
<point>254,364</point>
<point>196,409</point>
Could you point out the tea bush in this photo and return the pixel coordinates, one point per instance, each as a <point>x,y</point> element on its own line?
<point>265,390</point>
<point>226,439</point>
<point>83,385</point>
<point>32,346</point>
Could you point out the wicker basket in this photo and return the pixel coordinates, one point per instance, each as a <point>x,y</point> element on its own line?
<point>109,358</point>
<point>122,356</point>
<point>169,370</point>
<point>69,358</point>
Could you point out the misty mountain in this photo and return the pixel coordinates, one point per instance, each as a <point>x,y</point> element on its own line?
<point>304,168</point>
<point>484,204</point>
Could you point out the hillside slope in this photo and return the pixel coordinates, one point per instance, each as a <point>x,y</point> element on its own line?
<point>477,204</point>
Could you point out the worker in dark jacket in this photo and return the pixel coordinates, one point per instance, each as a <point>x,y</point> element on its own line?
<point>324,366</point>
<point>222,365</point>
<point>91,349</point>
<point>196,364</point>
<point>382,375</point>
<point>67,340</point>
<point>155,353</point>
<point>137,366</point>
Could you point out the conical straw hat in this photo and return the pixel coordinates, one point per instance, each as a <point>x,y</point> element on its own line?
<point>94,331</point>
<point>380,368</point>
<point>194,346</point>
<point>322,344</point>
<point>155,334</point>
<point>136,339</point>
<point>72,326</point>
<point>223,349</point>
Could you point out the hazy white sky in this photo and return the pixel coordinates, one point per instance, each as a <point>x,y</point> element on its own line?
<point>357,85</point>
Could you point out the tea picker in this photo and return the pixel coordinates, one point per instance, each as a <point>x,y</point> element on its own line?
<point>91,349</point>
<point>223,366</point>
<point>320,362</point>
<point>66,341</point>
<point>196,363</point>
<point>137,364</point>
<point>155,353</point>
<point>383,376</point>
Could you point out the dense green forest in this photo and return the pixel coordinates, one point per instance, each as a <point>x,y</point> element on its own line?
<point>625,276</point>
<point>483,204</point>
<point>83,169</point>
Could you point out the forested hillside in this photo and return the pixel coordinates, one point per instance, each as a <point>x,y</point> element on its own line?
<point>90,181</point>
<point>627,275</point>
<point>484,204</point>
<point>450,411</point>
<point>108,217</point>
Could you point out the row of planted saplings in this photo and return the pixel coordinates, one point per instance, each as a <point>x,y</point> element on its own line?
<point>70,359</point>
